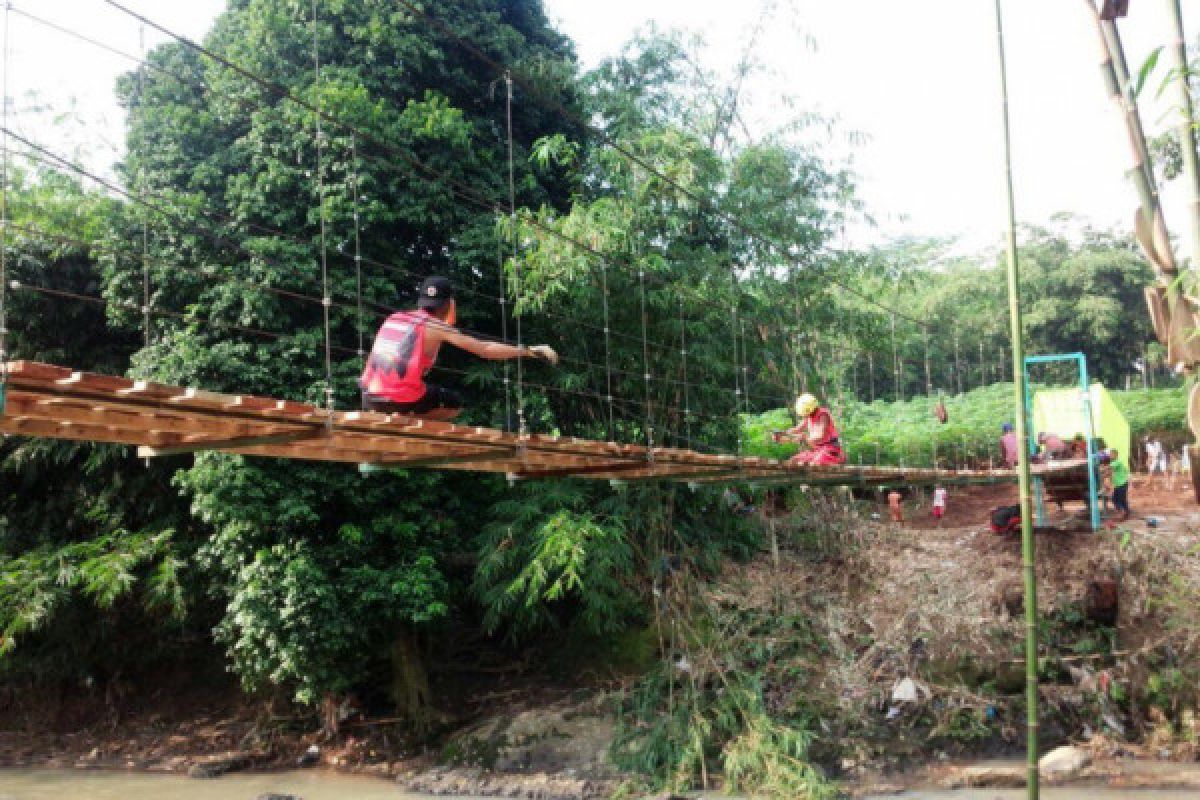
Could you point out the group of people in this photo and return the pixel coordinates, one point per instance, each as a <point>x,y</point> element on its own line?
<point>407,346</point>
<point>1159,462</point>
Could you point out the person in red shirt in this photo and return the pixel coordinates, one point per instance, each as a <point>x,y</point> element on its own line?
<point>406,347</point>
<point>1009,445</point>
<point>816,431</point>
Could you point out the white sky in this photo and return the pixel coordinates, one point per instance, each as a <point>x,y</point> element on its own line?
<point>919,79</point>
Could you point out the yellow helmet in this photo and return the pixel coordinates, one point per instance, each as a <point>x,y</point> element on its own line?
<point>806,404</point>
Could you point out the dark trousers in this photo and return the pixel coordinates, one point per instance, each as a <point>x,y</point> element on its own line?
<point>1120,498</point>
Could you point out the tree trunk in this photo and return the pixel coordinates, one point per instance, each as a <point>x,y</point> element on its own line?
<point>410,682</point>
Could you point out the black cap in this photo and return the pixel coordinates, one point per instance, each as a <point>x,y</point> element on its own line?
<point>435,292</point>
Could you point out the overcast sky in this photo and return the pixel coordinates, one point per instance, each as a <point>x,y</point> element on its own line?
<point>918,79</point>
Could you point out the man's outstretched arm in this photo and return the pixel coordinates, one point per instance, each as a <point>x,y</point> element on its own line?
<point>493,351</point>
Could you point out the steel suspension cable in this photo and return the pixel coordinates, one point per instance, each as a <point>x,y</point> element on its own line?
<point>702,201</point>
<point>456,187</point>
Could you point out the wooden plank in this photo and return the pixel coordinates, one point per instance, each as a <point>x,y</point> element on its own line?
<point>192,445</point>
<point>458,457</point>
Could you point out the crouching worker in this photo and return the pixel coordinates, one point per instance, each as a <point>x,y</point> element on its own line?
<point>407,346</point>
<point>816,432</point>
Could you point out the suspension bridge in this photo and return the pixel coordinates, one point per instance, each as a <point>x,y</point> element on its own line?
<point>64,402</point>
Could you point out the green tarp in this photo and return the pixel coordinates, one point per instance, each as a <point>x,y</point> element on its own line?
<point>1060,411</point>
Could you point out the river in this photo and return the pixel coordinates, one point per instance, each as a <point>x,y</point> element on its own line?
<point>69,784</point>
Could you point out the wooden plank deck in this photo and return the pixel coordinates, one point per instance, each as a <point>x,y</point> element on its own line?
<point>49,401</point>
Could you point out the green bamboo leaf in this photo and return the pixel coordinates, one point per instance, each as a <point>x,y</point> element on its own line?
<point>1147,67</point>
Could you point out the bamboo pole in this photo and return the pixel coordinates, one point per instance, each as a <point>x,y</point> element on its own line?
<point>1187,123</point>
<point>1023,478</point>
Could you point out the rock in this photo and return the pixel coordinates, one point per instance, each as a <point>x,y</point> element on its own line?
<point>572,738</point>
<point>986,777</point>
<point>215,766</point>
<point>1064,763</point>
<point>310,757</point>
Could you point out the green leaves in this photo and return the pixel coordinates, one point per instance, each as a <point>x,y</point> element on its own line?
<point>105,569</point>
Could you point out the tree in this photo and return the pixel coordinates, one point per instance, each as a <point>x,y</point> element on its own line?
<point>410,118</point>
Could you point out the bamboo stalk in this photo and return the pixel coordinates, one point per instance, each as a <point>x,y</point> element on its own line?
<point>1028,553</point>
<point>1112,68</point>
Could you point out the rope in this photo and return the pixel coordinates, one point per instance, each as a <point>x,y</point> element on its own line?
<point>522,424</point>
<point>326,300</point>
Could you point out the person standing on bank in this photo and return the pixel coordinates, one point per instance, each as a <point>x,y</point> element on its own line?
<point>406,348</point>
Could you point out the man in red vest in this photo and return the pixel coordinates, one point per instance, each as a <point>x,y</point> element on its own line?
<point>407,346</point>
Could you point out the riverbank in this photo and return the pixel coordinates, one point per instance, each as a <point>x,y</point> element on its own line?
<point>907,659</point>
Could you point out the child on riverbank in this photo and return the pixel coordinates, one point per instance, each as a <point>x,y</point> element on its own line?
<point>894,499</point>
<point>939,505</point>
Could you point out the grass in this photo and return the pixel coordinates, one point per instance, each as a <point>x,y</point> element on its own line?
<point>908,433</point>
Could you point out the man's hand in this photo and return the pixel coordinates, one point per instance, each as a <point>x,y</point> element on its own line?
<point>545,352</point>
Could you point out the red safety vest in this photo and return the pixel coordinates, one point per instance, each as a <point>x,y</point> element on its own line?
<point>831,431</point>
<point>395,370</point>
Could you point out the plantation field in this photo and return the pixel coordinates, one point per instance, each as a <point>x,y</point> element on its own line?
<point>908,433</point>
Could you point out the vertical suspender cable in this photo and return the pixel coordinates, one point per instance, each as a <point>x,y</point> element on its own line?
<point>928,372</point>
<point>326,300</point>
<point>522,427</point>
<point>683,354</point>
<point>896,363</point>
<point>646,367</point>
<point>504,333</point>
<point>608,379</point>
<point>737,386</point>
<point>871,373</point>
<point>4,219</point>
<point>358,283</point>
<point>982,366</point>
<point>957,368</point>
<point>745,369</point>
<point>142,193</point>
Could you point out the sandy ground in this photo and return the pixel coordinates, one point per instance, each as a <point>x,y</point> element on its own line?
<point>969,506</point>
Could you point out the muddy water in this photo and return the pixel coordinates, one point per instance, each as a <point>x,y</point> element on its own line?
<point>1081,793</point>
<point>66,784</point>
